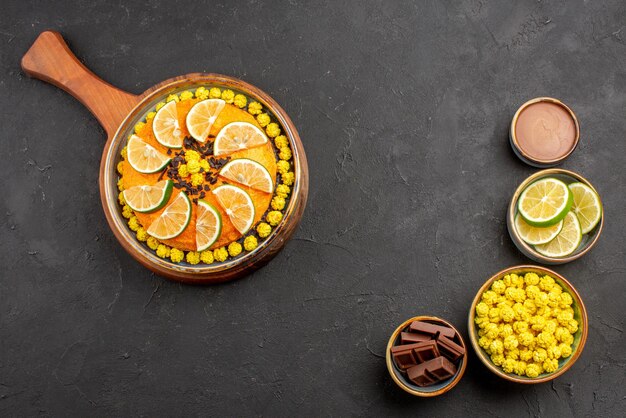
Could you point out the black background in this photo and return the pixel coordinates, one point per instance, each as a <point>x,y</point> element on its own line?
<point>404,111</point>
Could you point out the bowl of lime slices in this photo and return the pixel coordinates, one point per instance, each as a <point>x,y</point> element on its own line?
<point>555,216</point>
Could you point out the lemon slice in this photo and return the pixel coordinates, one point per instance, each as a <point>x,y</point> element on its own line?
<point>174,219</point>
<point>238,206</point>
<point>237,136</point>
<point>208,225</point>
<point>587,206</point>
<point>166,128</point>
<point>566,242</point>
<point>148,198</point>
<point>144,157</point>
<point>545,202</point>
<point>533,235</point>
<point>202,116</point>
<point>249,173</point>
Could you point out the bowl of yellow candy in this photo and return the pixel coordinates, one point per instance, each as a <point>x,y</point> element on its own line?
<point>528,324</point>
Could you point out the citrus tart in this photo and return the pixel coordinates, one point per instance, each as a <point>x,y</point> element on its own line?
<point>205,176</point>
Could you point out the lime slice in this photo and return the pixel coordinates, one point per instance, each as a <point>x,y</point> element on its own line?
<point>174,219</point>
<point>166,128</point>
<point>587,206</point>
<point>144,157</point>
<point>208,225</point>
<point>237,136</point>
<point>545,202</point>
<point>148,198</point>
<point>533,235</point>
<point>202,116</point>
<point>238,206</point>
<point>249,173</point>
<point>566,242</point>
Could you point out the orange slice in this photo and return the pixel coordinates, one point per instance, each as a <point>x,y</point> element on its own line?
<point>201,117</point>
<point>249,173</point>
<point>238,206</point>
<point>174,219</point>
<point>238,136</point>
<point>144,157</point>
<point>166,128</point>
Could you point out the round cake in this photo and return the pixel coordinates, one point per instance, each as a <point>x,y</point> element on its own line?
<point>205,176</point>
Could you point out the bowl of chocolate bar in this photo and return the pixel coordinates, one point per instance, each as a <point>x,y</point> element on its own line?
<point>426,356</point>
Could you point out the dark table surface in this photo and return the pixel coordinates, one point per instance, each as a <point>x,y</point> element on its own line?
<point>404,112</point>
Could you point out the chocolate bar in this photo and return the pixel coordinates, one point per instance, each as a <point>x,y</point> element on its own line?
<point>431,371</point>
<point>431,329</point>
<point>412,338</point>
<point>449,348</point>
<point>409,355</point>
<point>403,356</point>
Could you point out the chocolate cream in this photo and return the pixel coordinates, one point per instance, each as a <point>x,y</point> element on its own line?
<point>545,131</point>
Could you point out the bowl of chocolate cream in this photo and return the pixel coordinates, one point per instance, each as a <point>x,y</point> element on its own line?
<point>544,132</point>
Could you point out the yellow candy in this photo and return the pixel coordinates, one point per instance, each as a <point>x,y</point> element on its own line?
<point>546,283</point>
<point>566,350</point>
<point>545,339</point>
<point>496,347</point>
<point>554,351</point>
<point>494,315</point>
<point>489,297</point>
<point>481,321</point>
<point>497,359</point>
<point>526,355</point>
<point>569,339</point>
<point>509,365</point>
<point>507,314</point>
<point>553,299</point>
<point>564,318</point>
<point>525,338</point>
<point>572,326</point>
<point>491,330</point>
<point>520,368</point>
<point>550,326</point>
<point>531,279</point>
<point>532,291</point>
<point>526,318</point>
<point>510,342</point>
<point>566,300</point>
<point>540,355</point>
<point>482,309</point>
<point>541,299</point>
<point>537,322</point>
<point>498,286</point>
<point>507,280</point>
<point>484,342</point>
<point>512,354</point>
<point>506,330</point>
<point>530,306</point>
<point>550,365</point>
<point>176,255</point>
<point>520,326</point>
<point>517,281</point>
<point>533,370</point>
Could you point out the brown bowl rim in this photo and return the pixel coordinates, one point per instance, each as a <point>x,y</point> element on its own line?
<point>390,366</point>
<point>233,268</point>
<point>471,326</point>
<point>535,160</point>
<point>513,207</point>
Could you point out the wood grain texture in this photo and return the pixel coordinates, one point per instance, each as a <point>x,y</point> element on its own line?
<point>50,60</point>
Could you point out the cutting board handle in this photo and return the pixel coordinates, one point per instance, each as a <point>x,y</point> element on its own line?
<point>50,60</point>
